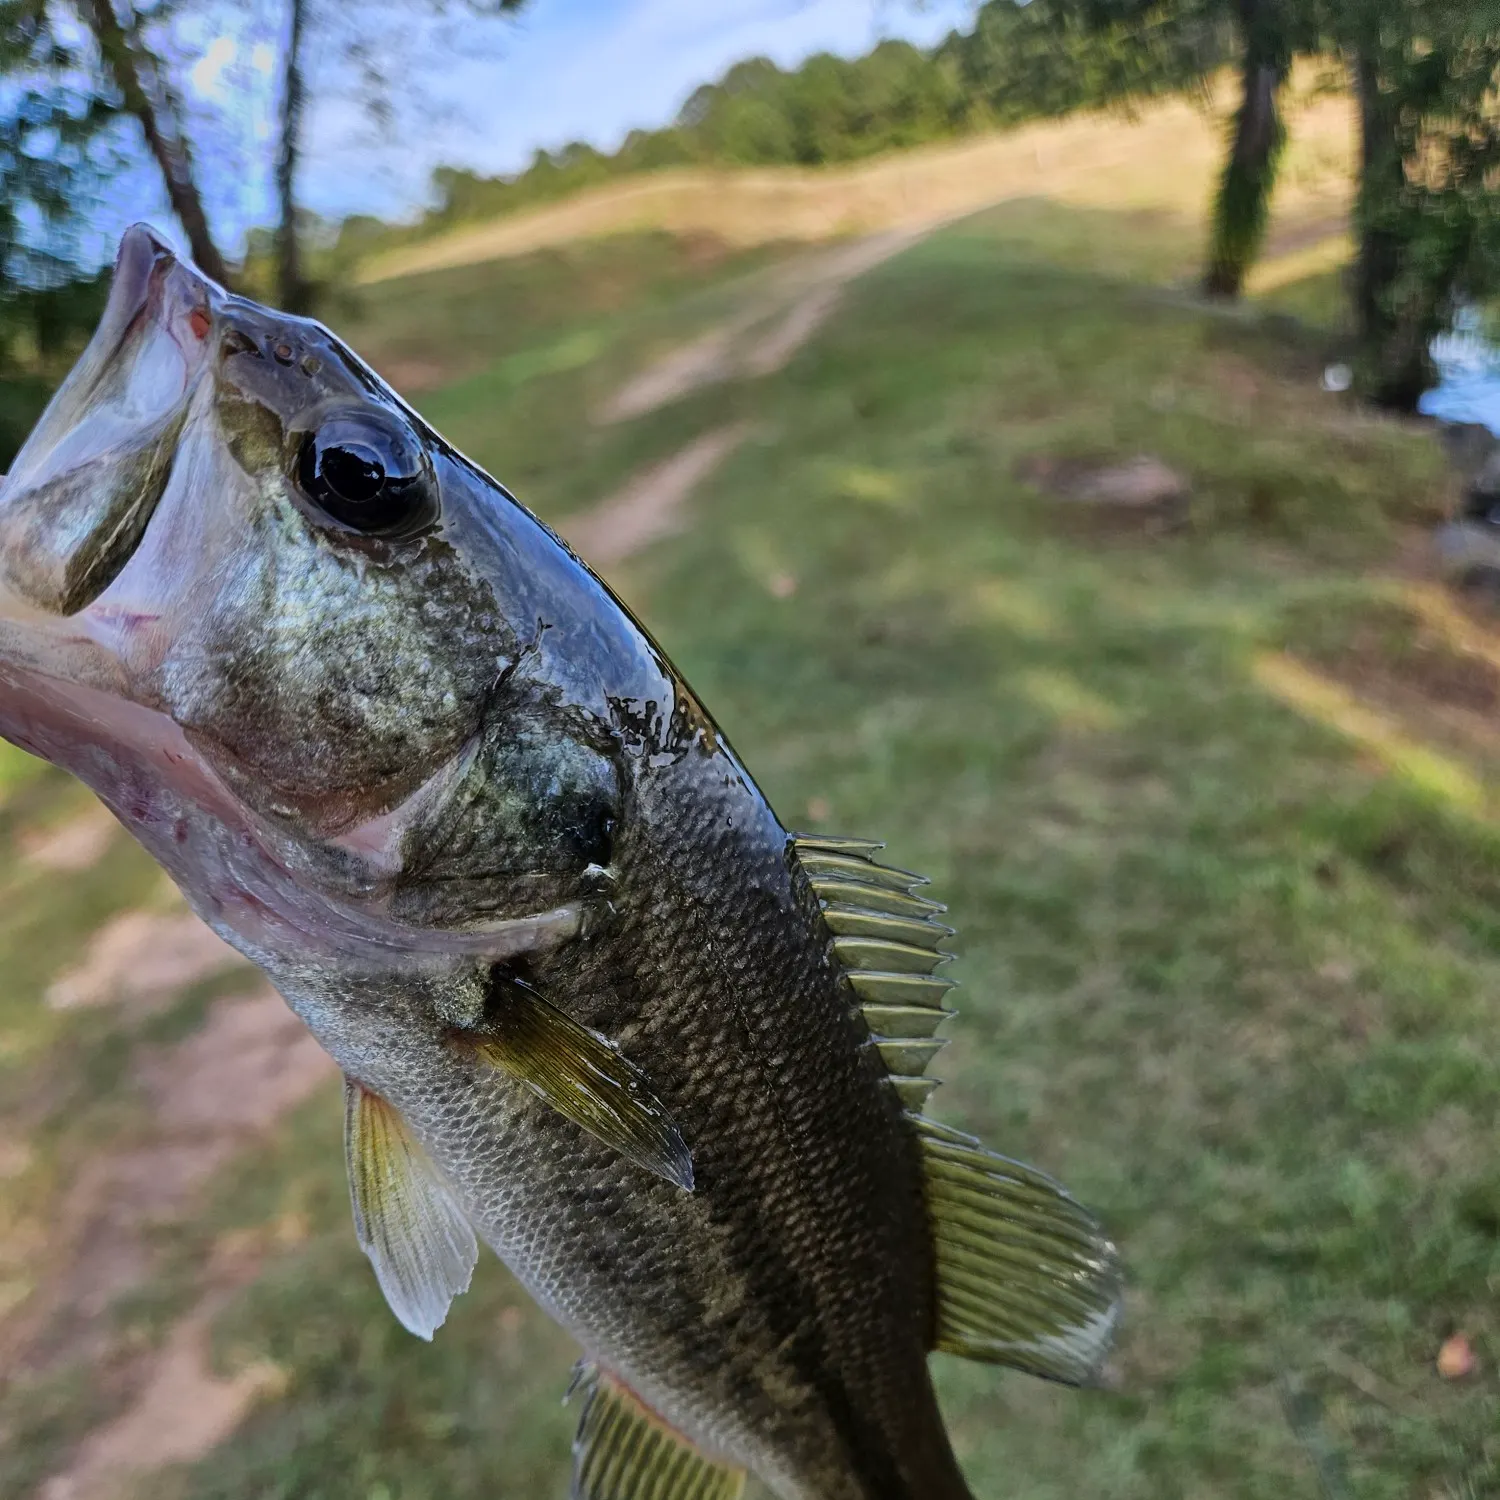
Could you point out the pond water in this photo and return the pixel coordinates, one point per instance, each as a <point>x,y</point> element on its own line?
<point>1468,388</point>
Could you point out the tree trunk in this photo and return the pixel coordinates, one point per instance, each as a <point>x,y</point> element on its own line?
<point>165,144</point>
<point>1242,207</point>
<point>1395,325</point>
<point>291,289</point>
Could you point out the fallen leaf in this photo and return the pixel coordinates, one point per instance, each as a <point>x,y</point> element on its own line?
<point>1456,1358</point>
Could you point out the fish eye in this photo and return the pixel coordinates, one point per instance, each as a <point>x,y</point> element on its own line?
<point>368,472</point>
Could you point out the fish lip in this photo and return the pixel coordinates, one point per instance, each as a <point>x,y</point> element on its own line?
<point>131,388</point>
<point>141,255</point>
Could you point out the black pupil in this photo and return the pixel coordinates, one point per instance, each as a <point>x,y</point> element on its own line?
<point>366,474</point>
<point>352,471</point>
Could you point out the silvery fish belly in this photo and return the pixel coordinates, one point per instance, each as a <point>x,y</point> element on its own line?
<point>594,1006</point>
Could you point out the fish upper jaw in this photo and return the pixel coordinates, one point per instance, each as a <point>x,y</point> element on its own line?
<point>76,503</point>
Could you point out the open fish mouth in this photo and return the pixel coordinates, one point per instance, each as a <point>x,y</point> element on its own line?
<point>77,502</point>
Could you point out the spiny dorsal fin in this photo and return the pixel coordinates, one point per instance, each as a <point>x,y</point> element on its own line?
<point>405,1219</point>
<point>889,941</point>
<point>624,1451</point>
<point>584,1076</point>
<point>1025,1275</point>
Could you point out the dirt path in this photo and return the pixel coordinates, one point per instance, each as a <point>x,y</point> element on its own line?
<point>182,1411</point>
<point>73,846</point>
<point>141,959</point>
<point>763,336</point>
<point>213,1095</point>
<point>649,506</point>
<point>756,341</point>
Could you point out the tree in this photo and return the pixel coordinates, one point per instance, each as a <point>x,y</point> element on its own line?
<point>137,75</point>
<point>291,286</point>
<point>1243,204</point>
<point>1267,34</point>
<point>52,126</point>
<point>1426,74</point>
<point>55,131</point>
<point>370,42</point>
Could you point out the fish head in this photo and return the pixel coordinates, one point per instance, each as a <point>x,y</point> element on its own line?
<point>293,639</point>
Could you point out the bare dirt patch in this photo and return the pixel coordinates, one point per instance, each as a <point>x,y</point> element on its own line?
<point>182,1408</point>
<point>143,959</point>
<point>1435,668</point>
<point>650,506</point>
<point>213,1095</point>
<point>1136,493</point>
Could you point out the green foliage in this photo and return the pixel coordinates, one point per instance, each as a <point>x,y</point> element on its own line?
<point>41,331</point>
<point>53,143</point>
<point>1052,56</point>
<point>50,123</point>
<point>1242,208</point>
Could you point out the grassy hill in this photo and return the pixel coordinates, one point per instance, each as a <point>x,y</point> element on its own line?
<point>1209,802</point>
<point>1164,157</point>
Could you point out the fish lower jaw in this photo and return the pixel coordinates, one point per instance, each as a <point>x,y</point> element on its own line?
<point>223,857</point>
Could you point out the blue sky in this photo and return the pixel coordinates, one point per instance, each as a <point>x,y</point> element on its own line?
<point>593,69</point>
<point>487,98</point>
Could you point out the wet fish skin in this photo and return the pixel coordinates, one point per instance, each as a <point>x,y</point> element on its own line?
<point>436,780</point>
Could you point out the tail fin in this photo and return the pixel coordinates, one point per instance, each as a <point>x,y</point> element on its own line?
<point>1025,1276</point>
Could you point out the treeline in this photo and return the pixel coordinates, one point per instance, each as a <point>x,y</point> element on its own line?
<point>1019,62</point>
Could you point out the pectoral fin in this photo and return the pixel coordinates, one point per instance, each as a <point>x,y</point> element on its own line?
<point>584,1076</point>
<point>418,1240</point>
<point>624,1451</point>
<point>1025,1276</point>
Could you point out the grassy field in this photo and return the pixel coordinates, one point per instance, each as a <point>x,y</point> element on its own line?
<point>1211,807</point>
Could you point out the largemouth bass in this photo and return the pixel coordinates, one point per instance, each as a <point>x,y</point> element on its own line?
<point>594,1005</point>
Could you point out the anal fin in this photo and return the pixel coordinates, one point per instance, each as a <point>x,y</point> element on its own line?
<point>417,1238</point>
<point>585,1077</point>
<point>1025,1275</point>
<point>624,1451</point>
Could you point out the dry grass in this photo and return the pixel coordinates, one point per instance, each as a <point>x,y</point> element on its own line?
<point>1163,159</point>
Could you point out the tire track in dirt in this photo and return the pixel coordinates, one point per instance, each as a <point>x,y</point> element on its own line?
<point>757,341</point>
<point>650,506</point>
<point>762,337</point>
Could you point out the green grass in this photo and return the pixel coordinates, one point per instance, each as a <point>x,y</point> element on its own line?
<point>1229,964</point>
